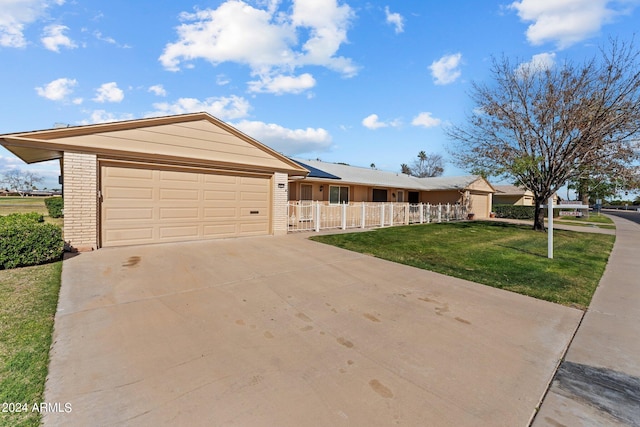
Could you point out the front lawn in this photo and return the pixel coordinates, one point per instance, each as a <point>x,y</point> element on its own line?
<point>14,204</point>
<point>501,255</point>
<point>28,301</point>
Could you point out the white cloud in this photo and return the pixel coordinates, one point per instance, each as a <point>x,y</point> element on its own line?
<point>373,122</point>
<point>446,69</point>
<point>58,89</point>
<point>15,15</point>
<point>539,62</point>
<point>224,108</point>
<point>222,80</point>
<point>291,142</point>
<point>109,92</point>
<point>53,38</point>
<point>158,90</point>
<point>283,84</point>
<point>426,120</point>
<point>102,116</point>
<point>566,22</point>
<point>395,19</point>
<point>271,42</point>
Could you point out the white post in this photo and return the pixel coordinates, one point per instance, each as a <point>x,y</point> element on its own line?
<point>381,214</point>
<point>344,216</point>
<point>391,216</point>
<point>428,213</point>
<point>364,215</point>
<point>448,212</point>
<point>421,210</point>
<point>318,217</point>
<point>439,212</point>
<point>550,230</point>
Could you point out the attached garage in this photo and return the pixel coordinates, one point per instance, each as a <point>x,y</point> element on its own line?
<point>141,206</point>
<point>167,179</point>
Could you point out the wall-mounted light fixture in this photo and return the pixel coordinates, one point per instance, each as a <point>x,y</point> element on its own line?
<point>321,187</point>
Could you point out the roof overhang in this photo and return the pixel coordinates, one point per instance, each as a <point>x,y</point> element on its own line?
<point>50,144</point>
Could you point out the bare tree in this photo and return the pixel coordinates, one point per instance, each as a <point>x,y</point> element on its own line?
<point>543,127</point>
<point>20,181</point>
<point>426,165</point>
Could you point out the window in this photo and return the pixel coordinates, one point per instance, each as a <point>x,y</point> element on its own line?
<point>338,194</point>
<point>306,192</point>
<point>400,196</point>
<point>379,195</point>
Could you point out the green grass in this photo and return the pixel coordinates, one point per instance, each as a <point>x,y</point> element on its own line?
<point>11,204</point>
<point>27,310</point>
<point>594,218</point>
<point>501,255</point>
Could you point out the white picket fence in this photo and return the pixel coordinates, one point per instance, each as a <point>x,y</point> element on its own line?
<point>316,216</point>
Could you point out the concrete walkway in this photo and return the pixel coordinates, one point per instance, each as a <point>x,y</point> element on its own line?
<point>283,331</point>
<point>598,383</point>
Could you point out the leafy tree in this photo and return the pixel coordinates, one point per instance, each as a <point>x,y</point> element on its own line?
<point>20,181</point>
<point>543,127</point>
<point>425,166</point>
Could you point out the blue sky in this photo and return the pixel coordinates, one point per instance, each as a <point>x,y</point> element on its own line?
<point>349,81</point>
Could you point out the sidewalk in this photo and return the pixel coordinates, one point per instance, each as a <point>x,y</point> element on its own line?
<point>598,383</point>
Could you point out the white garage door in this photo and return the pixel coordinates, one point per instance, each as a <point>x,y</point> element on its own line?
<point>142,206</point>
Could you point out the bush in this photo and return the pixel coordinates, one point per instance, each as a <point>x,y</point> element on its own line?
<point>55,206</point>
<point>25,240</point>
<point>514,212</point>
<point>21,218</point>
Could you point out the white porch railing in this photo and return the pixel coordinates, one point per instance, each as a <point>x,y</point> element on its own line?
<point>316,216</point>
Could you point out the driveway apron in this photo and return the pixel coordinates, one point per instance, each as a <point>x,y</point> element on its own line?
<point>283,331</point>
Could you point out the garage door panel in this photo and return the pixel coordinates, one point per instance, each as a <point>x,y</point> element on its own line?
<point>220,230</point>
<point>131,236</point>
<point>220,195</point>
<point>171,177</point>
<point>116,193</point>
<point>178,194</point>
<point>172,232</point>
<point>178,213</point>
<point>127,214</point>
<point>152,206</point>
<point>220,213</point>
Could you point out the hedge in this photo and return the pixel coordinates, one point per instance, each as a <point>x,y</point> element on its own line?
<point>26,240</point>
<point>55,206</point>
<point>514,212</point>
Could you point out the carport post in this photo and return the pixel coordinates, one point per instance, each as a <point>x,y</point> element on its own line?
<point>550,231</point>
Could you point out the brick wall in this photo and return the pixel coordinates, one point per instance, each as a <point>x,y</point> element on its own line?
<point>279,217</point>
<point>80,172</point>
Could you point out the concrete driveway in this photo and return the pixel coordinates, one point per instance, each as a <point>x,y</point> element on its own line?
<point>282,331</point>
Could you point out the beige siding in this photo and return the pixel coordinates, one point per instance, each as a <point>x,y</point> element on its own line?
<point>435,197</point>
<point>142,206</point>
<point>199,140</point>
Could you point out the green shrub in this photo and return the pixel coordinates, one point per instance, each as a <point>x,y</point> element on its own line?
<point>514,212</point>
<point>26,241</point>
<point>21,218</point>
<point>55,206</point>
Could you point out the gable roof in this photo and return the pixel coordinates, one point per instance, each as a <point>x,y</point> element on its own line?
<point>511,190</point>
<point>379,178</point>
<point>188,139</point>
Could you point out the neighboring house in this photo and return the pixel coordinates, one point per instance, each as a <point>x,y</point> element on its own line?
<point>165,179</point>
<point>336,183</point>
<point>512,195</point>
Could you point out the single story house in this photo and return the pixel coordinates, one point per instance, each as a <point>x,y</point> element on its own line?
<point>165,179</point>
<point>336,183</point>
<point>512,195</point>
